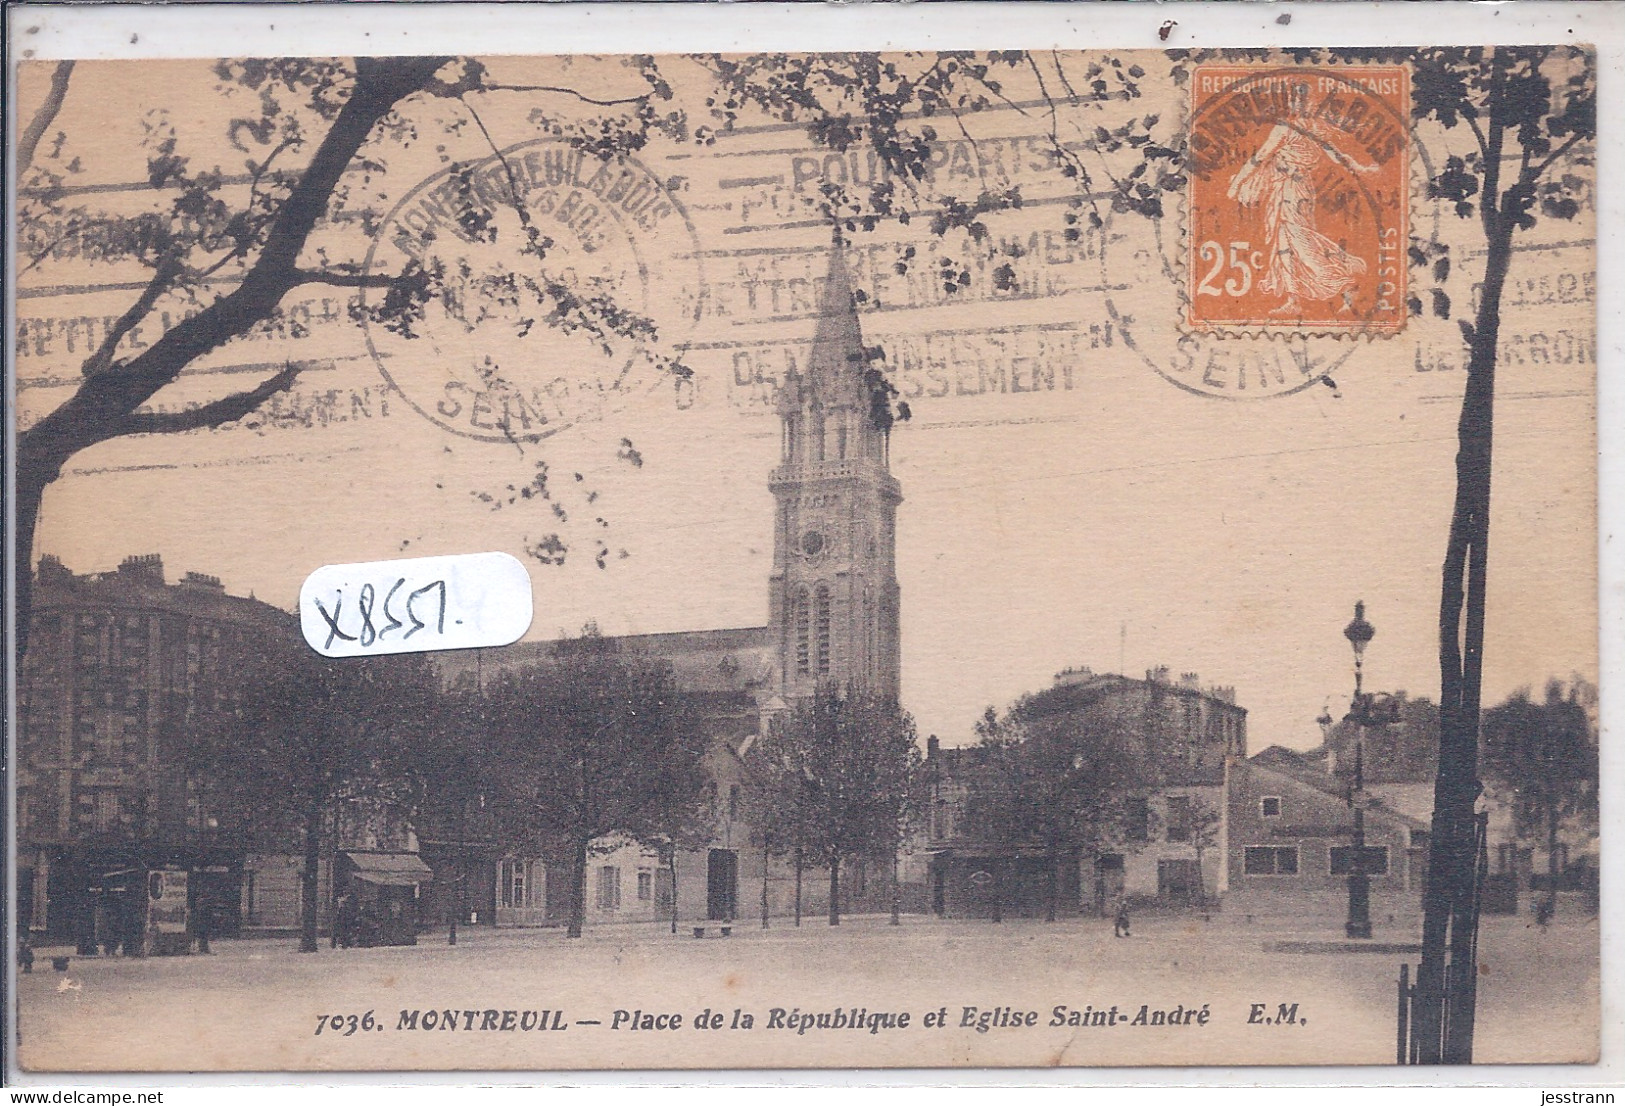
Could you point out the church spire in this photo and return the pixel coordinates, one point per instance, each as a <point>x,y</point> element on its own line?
<point>835,365</point>
<point>826,404</point>
<point>833,592</point>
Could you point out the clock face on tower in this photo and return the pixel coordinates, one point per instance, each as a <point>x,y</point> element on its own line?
<point>812,543</point>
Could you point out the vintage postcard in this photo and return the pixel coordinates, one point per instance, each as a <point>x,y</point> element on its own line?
<point>807,560</point>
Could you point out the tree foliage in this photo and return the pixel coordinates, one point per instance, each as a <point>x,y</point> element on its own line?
<point>1543,753</point>
<point>1056,782</point>
<point>310,741</point>
<point>1404,749</point>
<point>310,150</point>
<point>223,245</point>
<point>451,776</point>
<point>838,779</point>
<point>597,746</point>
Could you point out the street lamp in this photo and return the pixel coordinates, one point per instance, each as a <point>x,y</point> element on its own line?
<point>1359,632</point>
<point>462,868</point>
<point>460,906</point>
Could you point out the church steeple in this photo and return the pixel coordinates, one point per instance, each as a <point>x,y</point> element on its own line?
<point>826,406</point>
<point>834,587</point>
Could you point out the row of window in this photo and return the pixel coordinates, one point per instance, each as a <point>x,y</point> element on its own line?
<point>609,886</point>
<point>1180,817</point>
<point>1282,860</point>
<point>517,884</point>
<point>819,448</point>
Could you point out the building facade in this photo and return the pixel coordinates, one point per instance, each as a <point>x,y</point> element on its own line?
<point>119,666</point>
<point>1170,847</point>
<point>1292,846</point>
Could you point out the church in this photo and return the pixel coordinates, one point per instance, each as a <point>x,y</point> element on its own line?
<point>833,616</point>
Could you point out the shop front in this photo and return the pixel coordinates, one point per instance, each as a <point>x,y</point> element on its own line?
<point>377,897</point>
<point>136,899</point>
<point>1003,882</point>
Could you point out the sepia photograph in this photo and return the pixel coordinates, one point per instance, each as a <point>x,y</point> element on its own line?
<point>855,559</point>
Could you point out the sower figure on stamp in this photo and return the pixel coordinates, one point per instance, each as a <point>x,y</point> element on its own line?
<point>1303,264</point>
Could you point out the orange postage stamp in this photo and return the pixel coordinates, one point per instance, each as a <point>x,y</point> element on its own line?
<point>1299,179</point>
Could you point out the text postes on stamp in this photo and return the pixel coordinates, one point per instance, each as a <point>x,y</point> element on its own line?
<point>1299,182</point>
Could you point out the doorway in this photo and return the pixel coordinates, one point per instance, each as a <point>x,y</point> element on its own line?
<point>1179,882</point>
<point>1108,882</point>
<point>722,884</point>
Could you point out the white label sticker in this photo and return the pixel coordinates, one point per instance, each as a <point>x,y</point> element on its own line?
<point>416,605</point>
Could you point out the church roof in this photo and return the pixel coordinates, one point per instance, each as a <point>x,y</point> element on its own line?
<point>713,660</point>
<point>1292,762</point>
<point>702,661</point>
<point>1331,800</point>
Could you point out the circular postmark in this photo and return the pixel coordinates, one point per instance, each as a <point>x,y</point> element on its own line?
<point>562,285</point>
<point>1215,366</point>
<point>1293,247</point>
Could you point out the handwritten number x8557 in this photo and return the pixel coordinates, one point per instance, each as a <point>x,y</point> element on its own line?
<point>369,634</point>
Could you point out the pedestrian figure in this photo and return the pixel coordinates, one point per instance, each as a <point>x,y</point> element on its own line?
<point>1543,912</point>
<point>203,927</point>
<point>1120,927</point>
<point>107,934</point>
<point>25,952</point>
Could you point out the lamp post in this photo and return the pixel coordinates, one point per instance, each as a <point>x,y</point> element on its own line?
<point>460,905</point>
<point>462,868</point>
<point>1359,632</point>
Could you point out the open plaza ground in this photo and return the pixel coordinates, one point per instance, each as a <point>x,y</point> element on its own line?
<point>1180,991</point>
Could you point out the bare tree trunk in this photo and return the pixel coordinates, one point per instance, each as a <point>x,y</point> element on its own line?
<point>308,884</point>
<point>1051,884</point>
<point>896,893</point>
<point>835,891</point>
<point>764,884</point>
<point>671,864</point>
<point>1450,919</point>
<point>998,891</point>
<point>578,889</point>
<point>801,863</point>
<point>1552,870</point>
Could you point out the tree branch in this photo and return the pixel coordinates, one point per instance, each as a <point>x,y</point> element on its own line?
<point>44,117</point>
<point>105,400</point>
<point>1531,176</point>
<point>514,199</point>
<point>342,280</point>
<point>69,229</point>
<point>566,91</point>
<point>102,359</point>
<point>1478,133</point>
<point>221,411</point>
